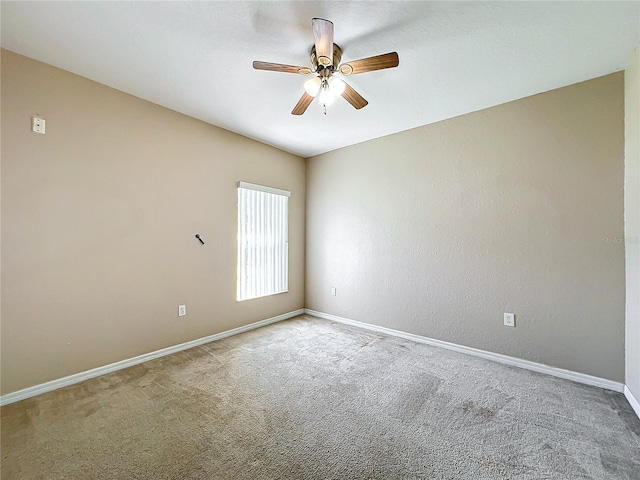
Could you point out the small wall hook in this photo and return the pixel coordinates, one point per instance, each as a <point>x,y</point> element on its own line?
<point>198,237</point>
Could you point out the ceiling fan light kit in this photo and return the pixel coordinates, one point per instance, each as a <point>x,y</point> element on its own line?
<point>325,58</point>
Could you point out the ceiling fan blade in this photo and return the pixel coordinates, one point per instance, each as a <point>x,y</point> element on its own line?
<point>279,67</point>
<point>302,104</point>
<point>379,62</point>
<point>353,97</point>
<point>323,35</point>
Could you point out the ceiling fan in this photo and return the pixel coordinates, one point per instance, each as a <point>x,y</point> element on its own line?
<point>325,59</point>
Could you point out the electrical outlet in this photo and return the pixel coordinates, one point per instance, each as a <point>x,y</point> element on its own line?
<point>333,291</point>
<point>182,310</point>
<point>510,319</point>
<point>37,125</point>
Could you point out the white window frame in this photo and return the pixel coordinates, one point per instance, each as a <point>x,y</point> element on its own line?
<point>263,241</point>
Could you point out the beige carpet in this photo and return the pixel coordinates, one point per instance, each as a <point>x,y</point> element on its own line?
<point>311,399</point>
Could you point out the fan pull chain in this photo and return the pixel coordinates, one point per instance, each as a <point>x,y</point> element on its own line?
<point>325,108</point>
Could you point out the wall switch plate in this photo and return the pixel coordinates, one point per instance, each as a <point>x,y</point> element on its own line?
<point>510,319</point>
<point>37,125</point>
<point>182,310</point>
<point>333,291</point>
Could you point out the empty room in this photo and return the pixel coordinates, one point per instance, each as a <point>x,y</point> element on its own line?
<point>320,240</point>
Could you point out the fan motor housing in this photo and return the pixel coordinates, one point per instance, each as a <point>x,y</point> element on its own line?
<point>337,56</point>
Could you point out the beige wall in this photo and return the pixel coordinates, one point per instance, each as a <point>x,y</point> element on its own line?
<point>98,224</point>
<point>632,222</point>
<point>435,231</point>
<point>439,230</point>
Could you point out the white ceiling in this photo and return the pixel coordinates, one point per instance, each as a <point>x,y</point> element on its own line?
<point>455,57</point>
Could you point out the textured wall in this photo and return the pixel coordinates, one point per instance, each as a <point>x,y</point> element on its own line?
<point>439,230</point>
<point>98,224</point>
<point>632,222</point>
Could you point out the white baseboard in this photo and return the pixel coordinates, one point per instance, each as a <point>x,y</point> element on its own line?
<point>496,357</point>
<point>632,400</point>
<point>113,367</point>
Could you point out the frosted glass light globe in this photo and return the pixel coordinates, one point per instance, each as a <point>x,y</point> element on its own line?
<point>326,97</point>
<point>336,86</point>
<point>312,86</point>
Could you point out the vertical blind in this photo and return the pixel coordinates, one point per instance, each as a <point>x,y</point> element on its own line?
<point>263,249</point>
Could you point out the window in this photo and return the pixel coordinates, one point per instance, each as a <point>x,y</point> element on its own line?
<point>263,247</point>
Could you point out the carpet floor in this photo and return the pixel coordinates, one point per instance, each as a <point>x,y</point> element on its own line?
<point>311,399</point>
